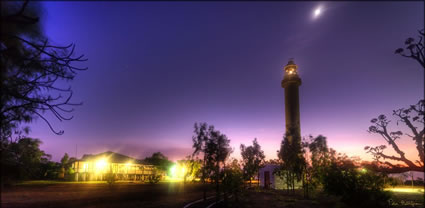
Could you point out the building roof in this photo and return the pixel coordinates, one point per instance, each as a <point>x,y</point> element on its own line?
<point>112,157</point>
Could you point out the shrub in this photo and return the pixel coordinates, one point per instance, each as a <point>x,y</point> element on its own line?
<point>110,178</point>
<point>356,188</point>
<point>154,179</point>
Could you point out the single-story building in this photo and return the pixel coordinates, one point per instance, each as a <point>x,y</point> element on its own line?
<point>270,179</point>
<point>95,167</point>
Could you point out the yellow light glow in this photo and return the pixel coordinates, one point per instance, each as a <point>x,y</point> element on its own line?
<point>173,171</point>
<point>177,172</point>
<point>128,166</point>
<point>101,164</point>
<point>406,190</point>
<point>85,167</point>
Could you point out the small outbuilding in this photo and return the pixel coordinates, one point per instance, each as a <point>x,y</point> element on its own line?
<point>270,179</point>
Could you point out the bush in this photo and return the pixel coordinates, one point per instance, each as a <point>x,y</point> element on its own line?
<point>360,188</point>
<point>393,181</point>
<point>110,178</point>
<point>154,179</point>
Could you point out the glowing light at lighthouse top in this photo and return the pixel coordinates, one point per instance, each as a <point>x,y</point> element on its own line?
<point>291,68</point>
<point>291,74</point>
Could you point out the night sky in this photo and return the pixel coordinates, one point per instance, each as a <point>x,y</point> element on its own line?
<point>157,68</point>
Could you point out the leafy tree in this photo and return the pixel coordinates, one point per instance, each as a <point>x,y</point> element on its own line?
<point>66,170</point>
<point>50,170</point>
<point>320,159</point>
<point>65,159</point>
<point>292,159</point>
<point>159,160</point>
<point>233,180</point>
<point>192,167</point>
<point>410,117</point>
<point>64,162</point>
<point>252,159</point>
<point>23,159</point>
<point>218,150</point>
<point>30,70</point>
<point>415,49</point>
<point>200,139</point>
<point>215,149</point>
<point>357,188</point>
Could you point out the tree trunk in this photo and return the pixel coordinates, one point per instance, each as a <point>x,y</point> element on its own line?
<point>307,182</point>
<point>217,188</point>
<point>293,184</point>
<point>203,181</point>
<point>303,184</point>
<point>287,183</point>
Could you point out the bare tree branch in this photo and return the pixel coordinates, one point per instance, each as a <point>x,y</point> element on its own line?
<point>380,126</point>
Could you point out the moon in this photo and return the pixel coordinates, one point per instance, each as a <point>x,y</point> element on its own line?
<point>317,12</point>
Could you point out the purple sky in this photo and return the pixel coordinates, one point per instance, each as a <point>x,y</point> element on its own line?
<point>157,68</point>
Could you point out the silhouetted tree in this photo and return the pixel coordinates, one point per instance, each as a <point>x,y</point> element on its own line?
<point>356,187</point>
<point>64,162</point>
<point>215,149</point>
<point>252,159</point>
<point>66,170</point>
<point>50,170</point>
<point>291,155</point>
<point>218,150</point>
<point>24,160</point>
<point>410,117</point>
<point>232,180</point>
<point>30,68</point>
<point>319,158</point>
<point>191,166</point>
<point>200,139</point>
<point>415,49</point>
<point>159,160</point>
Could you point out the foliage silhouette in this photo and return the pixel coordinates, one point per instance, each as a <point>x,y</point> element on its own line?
<point>24,160</point>
<point>410,117</point>
<point>415,49</point>
<point>30,70</point>
<point>159,160</point>
<point>292,161</point>
<point>252,159</point>
<point>215,148</point>
<point>356,187</point>
<point>192,167</point>
<point>233,180</point>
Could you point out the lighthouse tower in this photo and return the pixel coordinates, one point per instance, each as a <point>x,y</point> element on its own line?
<point>291,81</point>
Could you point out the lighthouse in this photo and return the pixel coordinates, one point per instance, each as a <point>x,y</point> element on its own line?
<point>291,82</point>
